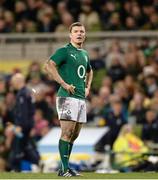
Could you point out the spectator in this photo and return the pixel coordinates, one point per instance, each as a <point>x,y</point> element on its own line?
<point>137,107</point>
<point>150,127</point>
<point>130,24</point>
<point>152,23</point>
<point>114,119</point>
<point>107,10</point>
<point>41,126</point>
<point>130,85</point>
<point>107,82</point>
<point>35,70</point>
<point>3,28</point>
<point>67,20</point>
<point>114,22</point>
<point>20,11</point>
<point>62,8</point>
<point>74,8</point>
<point>28,26</point>
<point>116,71</point>
<point>128,148</point>
<point>154,103</point>
<point>9,21</point>
<point>47,21</point>
<point>113,52</point>
<point>148,10</point>
<point>32,10</point>
<point>150,84</point>
<point>134,59</point>
<point>22,147</point>
<point>120,90</point>
<point>19,28</point>
<point>90,18</point>
<point>137,15</point>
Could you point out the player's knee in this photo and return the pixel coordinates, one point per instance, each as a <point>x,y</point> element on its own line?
<point>67,135</point>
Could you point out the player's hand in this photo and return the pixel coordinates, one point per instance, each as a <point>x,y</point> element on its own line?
<point>68,87</point>
<point>87,92</point>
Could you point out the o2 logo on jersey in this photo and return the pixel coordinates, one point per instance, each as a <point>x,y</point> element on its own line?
<point>81,71</point>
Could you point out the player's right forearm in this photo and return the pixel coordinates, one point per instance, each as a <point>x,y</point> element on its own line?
<point>51,70</point>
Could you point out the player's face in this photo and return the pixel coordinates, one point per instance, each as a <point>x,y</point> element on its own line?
<point>77,34</point>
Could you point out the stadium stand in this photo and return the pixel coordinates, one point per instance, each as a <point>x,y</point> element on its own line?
<point>55,16</point>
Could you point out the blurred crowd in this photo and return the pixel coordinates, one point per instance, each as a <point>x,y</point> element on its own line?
<point>43,93</point>
<point>97,15</point>
<point>124,98</point>
<point>124,90</point>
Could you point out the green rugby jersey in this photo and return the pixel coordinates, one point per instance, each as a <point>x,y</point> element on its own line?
<point>72,64</point>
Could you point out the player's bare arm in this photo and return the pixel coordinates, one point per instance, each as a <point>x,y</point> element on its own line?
<point>51,70</point>
<point>88,82</point>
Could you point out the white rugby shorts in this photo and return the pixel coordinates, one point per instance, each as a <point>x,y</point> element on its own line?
<point>71,109</point>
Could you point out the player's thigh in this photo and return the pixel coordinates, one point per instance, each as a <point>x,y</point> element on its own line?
<point>82,116</point>
<point>67,124</point>
<point>67,108</point>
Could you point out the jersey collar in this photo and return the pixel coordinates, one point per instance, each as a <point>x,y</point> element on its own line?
<point>74,47</point>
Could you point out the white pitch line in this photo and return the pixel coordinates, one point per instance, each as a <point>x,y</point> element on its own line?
<point>75,179</point>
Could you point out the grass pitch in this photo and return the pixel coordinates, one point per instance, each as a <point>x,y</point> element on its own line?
<point>44,176</point>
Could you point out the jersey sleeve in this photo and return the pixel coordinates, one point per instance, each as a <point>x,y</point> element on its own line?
<point>59,56</point>
<point>89,67</point>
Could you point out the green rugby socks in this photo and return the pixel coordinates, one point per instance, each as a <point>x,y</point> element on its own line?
<point>64,150</point>
<point>70,148</point>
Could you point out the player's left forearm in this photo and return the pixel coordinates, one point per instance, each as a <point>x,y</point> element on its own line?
<point>89,79</point>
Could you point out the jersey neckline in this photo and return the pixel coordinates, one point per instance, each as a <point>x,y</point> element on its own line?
<point>74,46</point>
